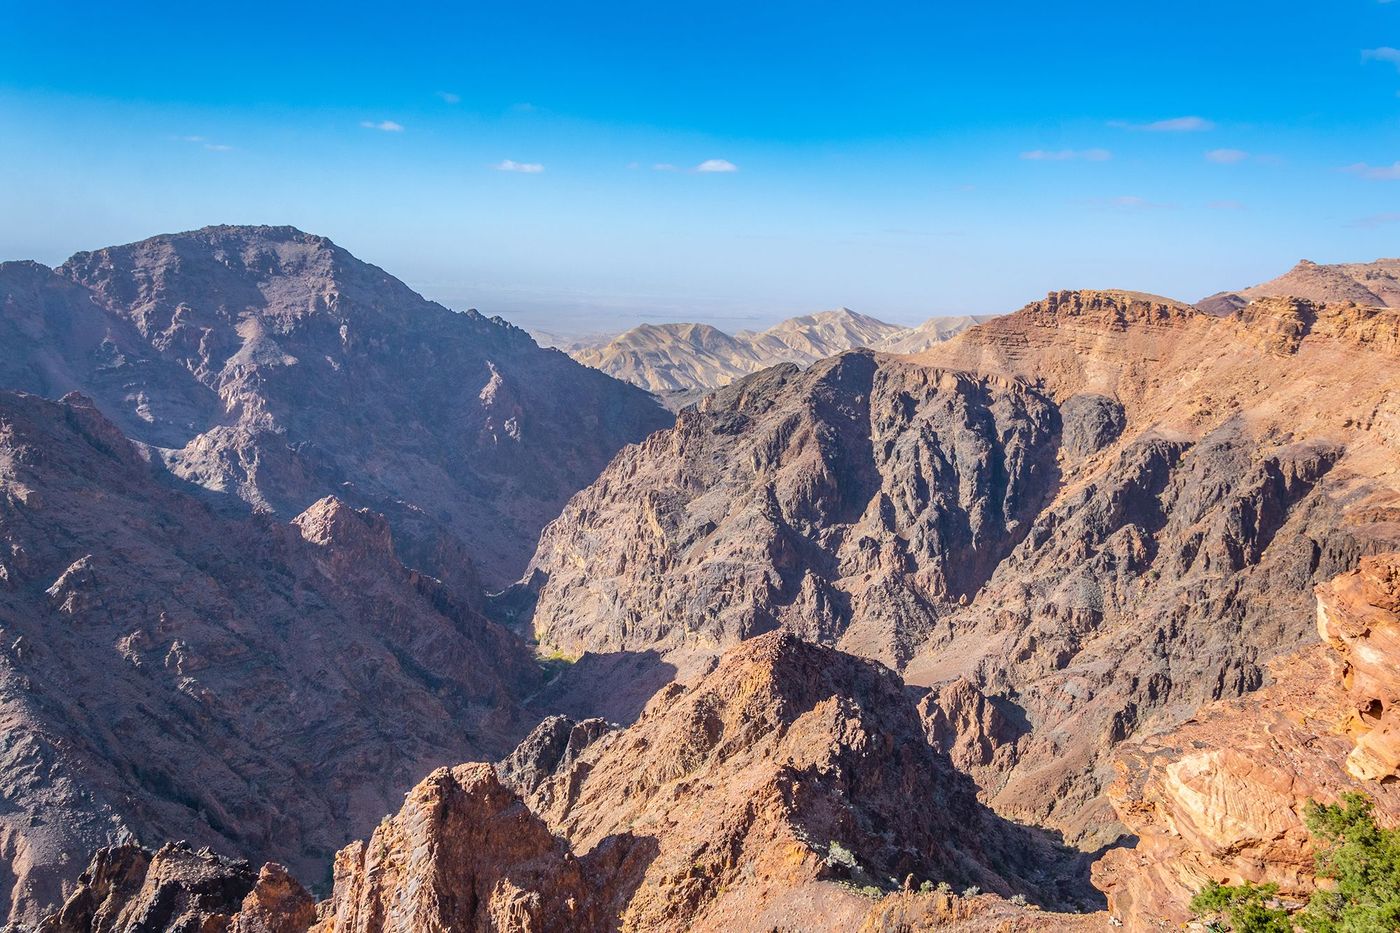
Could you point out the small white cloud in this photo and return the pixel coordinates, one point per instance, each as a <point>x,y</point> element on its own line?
<point>1383,54</point>
<point>386,126</point>
<point>217,147</point>
<point>1173,125</point>
<point>1374,172</point>
<point>1225,205</point>
<point>1226,156</point>
<point>663,167</point>
<point>449,98</point>
<point>1065,155</point>
<point>510,165</point>
<point>524,107</point>
<point>717,165</point>
<point>193,139</point>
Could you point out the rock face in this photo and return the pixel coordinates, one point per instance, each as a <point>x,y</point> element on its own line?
<point>272,366</point>
<point>127,889</point>
<point>1374,284</point>
<point>171,672</point>
<point>677,357</point>
<point>1222,797</point>
<point>837,502</point>
<point>1101,512</point>
<point>728,805</point>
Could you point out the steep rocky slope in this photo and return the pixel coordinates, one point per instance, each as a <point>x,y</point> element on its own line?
<point>272,366</point>
<point>729,805</point>
<point>1222,797</point>
<point>1100,512</point>
<point>801,499</point>
<point>678,357</point>
<point>1364,283</point>
<point>170,672</point>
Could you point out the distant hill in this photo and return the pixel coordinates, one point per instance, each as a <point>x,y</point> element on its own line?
<point>682,357</point>
<point>1364,283</point>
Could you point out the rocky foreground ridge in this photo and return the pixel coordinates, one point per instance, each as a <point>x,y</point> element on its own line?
<point>775,795</point>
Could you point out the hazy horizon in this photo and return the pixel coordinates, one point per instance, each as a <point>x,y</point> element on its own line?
<point>580,170</point>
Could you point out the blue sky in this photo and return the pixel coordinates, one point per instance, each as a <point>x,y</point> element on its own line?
<point>902,159</point>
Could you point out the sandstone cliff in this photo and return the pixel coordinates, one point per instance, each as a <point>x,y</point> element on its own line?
<point>1222,797</point>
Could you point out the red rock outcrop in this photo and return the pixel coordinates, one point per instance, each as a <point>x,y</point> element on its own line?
<point>734,804</point>
<point>1222,797</point>
<point>464,853</point>
<point>127,889</point>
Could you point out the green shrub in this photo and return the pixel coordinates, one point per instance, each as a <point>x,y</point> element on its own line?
<point>837,854</point>
<point>926,887</point>
<point>1361,860</point>
<point>1248,908</point>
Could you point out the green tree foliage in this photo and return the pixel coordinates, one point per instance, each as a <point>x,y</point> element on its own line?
<point>1247,908</point>
<point>1360,859</point>
<point>1363,862</point>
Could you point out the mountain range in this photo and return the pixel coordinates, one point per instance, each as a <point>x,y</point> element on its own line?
<point>1040,627</point>
<point>683,358</point>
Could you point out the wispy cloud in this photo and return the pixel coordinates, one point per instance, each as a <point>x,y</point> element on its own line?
<point>1374,172</point>
<point>1174,125</point>
<point>663,167</point>
<point>1065,155</point>
<point>717,165</point>
<point>203,141</point>
<point>1127,202</point>
<point>1227,204</point>
<point>1376,220</point>
<point>1226,156</point>
<point>1383,54</point>
<point>385,126</point>
<point>510,165</point>
<point>449,98</point>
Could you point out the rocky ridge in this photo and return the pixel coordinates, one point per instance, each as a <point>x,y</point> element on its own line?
<point>678,359</point>
<point>731,804</point>
<point>1375,284</point>
<point>1101,511</point>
